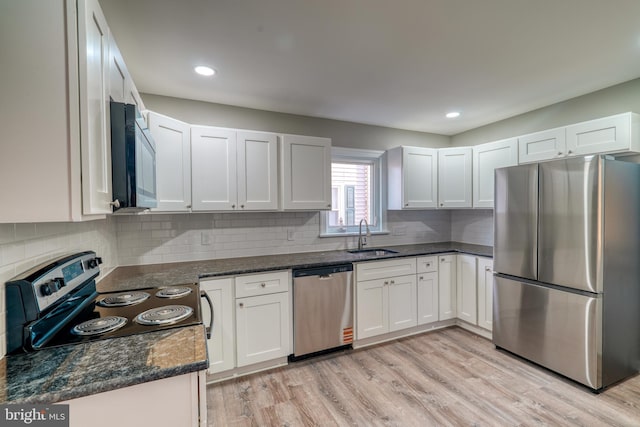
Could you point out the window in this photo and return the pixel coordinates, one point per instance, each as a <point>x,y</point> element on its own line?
<point>356,192</point>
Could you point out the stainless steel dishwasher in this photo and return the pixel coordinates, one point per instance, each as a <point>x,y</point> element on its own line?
<point>322,309</point>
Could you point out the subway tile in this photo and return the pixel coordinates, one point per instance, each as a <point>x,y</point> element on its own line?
<point>25,231</point>
<point>7,233</point>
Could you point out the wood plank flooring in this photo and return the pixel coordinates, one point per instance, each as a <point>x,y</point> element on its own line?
<point>449,377</point>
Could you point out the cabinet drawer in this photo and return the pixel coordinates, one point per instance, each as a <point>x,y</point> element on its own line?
<point>262,284</point>
<point>427,264</point>
<point>382,269</point>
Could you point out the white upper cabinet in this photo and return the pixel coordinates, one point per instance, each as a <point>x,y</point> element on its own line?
<point>95,139</point>
<point>486,159</point>
<point>617,133</point>
<point>118,74</point>
<point>539,146</point>
<point>305,173</point>
<point>213,168</point>
<point>233,170</point>
<point>173,162</point>
<point>454,177</point>
<point>257,162</point>
<point>412,174</point>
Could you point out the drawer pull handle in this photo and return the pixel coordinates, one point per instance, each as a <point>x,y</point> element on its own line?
<point>428,264</point>
<point>487,269</point>
<point>386,282</point>
<point>421,278</point>
<point>263,285</point>
<point>241,305</point>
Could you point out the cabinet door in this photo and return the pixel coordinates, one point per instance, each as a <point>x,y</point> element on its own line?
<point>427,297</point>
<point>117,73</point>
<point>372,308</point>
<point>419,178</point>
<point>402,302</point>
<point>257,171</point>
<point>485,293</point>
<point>95,140</point>
<point>539,146</point>
<point>447,287</point>
<point>604,135</point>
<point>262,328</point>
<point>213,169</point>
<point>173,162</point>
<point>221,345</point>
<point>454,177</point>
<point>486,159</point>
<point>467,298</point>
<point>306,173</point>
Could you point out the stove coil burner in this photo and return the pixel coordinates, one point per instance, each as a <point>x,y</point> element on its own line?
<point>99,326</point>
<point>164,315</point>
<point>124,299</point>
<point>173,292</point>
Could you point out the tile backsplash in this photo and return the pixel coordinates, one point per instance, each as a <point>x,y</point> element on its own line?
<point>472,226</point>
<point>23,246</point>
<point>150,239</point>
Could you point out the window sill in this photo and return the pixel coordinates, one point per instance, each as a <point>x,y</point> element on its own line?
<point>351,233</point>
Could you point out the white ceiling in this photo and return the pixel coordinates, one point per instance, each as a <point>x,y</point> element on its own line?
<point>401,64</point>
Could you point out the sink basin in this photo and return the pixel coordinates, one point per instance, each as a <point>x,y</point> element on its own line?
<point>372,251</point>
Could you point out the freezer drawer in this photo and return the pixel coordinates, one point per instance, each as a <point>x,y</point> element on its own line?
<point>557,329</point>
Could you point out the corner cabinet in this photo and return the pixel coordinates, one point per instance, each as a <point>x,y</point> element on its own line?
<point>173,162</point>
<point>486,159</point>
<point>305,173</point>
<point>454,177</point>
<point>412,174</point>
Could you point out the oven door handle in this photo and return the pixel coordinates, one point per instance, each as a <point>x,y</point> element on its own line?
<point>209,329</point>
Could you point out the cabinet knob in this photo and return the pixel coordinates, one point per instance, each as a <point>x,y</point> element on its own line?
<point>393,282</point>
<point>441,204</point>
<point>428,264</point>
<point>559,153</point>
<point>421,278</point>
<point>233,206</point>
<point>406,204</point>
<point>188,206</point>
<point>329,205</point>
<point>487,269</point>
<point>241,305</point>
<point>386,282</point>
<point>569,152</point>
<point>263,284</point>
<point>241,206</point>
<point>441,259</point>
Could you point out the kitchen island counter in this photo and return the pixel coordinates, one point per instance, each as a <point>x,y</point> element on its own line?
<point>73,371</point>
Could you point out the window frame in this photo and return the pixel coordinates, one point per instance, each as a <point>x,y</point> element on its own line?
<point>378,171</point>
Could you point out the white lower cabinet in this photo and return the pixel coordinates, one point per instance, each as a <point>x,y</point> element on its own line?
<point>169,402</point>
<point>262,317</point>
<point>221,346</point>
<point>402,302</point>
<point>467,299</point>
<point>427,287</point>
<point>485,293</point>
<point>447,287</point>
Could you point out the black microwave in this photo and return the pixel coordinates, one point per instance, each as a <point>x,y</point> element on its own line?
<point>133,160</point>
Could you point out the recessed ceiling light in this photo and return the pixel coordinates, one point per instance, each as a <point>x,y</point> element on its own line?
<point>205,71</point>
<point>453,115</point>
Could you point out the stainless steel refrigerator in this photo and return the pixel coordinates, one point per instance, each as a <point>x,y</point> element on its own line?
<point>567,263</point>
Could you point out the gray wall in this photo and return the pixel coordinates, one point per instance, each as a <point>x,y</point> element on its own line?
<point>343,134</point>
<point>613,100</point>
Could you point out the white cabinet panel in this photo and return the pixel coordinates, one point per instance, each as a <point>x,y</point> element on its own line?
<point>257,161</point>
<point>539,146</point>
<point>262,284</point>
<point>485,293</point>
<point>447,287</point>
<point>454,177</point>
<point>173,162</point>
<point>221,345</point>
<point>213,168</point>
<point>306,173</point>
<point>427,264</point>
<point>402,302</point>
<point>389,268</point>
<point>95,141</point>
<point>412,174</point>
<point>262,328</point>
<point>118,74</point>
<point>606,135</point>
<point>427,297</point>
<point>486,159</point>
<point>467,299</point>
<point>372,308</point>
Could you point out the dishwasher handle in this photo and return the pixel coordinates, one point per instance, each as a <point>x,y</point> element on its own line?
<point>208,329</point>
<point>323,271</point>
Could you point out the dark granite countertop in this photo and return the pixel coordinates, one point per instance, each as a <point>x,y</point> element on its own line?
<point>63,373</point>
<point>146,276</point>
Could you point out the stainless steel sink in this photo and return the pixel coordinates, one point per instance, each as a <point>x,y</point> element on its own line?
<point>372,251</point>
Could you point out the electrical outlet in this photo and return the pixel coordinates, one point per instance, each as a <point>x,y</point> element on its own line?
<point>291,235</point>
<point>205,238</point>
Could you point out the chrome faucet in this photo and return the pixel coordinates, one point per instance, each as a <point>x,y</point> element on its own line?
<point>363,241</point>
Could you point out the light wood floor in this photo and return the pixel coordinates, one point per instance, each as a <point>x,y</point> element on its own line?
<point>445,378</point>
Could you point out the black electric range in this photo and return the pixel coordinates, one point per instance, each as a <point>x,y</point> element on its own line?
<point>57,304</point>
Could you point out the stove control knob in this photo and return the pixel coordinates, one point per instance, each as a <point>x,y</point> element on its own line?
<point>45,290</point>
<point>58,282</point>
<point>93,263</point>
